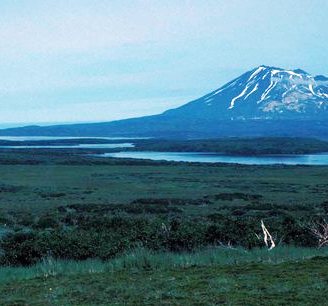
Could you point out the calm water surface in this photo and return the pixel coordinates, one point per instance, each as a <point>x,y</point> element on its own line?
<point>309,159</point>
<point>306,159</point>
<point>81,146</point>
<point>77,146</point>
<point>39,138</point>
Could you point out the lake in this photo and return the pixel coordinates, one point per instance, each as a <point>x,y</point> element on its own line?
<point>41,138</point>
<point>77,146</point>
<point>68,146</point>
<point>308,159</point>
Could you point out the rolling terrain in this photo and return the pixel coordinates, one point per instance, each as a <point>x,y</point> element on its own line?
<point>80,230</point>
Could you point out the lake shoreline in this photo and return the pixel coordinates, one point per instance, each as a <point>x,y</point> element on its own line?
<point>319,159</point>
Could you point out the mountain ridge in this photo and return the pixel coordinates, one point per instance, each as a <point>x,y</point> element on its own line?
<point>266,93</point>
<point>261,102</point>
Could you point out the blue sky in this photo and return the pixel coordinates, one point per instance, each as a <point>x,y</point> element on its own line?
<point>86,60</point>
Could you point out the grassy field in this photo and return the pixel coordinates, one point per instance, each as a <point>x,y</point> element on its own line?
<point>73,192</point>
<point>286,276</point>
<point>70,225</point>
<point>39,187</point>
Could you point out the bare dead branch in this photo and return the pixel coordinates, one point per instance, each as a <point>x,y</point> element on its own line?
<point>268,240</point>
<point>320,231</point>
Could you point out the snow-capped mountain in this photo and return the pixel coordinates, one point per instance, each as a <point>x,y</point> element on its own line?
<point>265,93</point>
<point>265,101</point>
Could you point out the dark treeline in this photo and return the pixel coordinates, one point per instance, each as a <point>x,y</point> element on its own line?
<point>239,146</point>
<point>248,146</point>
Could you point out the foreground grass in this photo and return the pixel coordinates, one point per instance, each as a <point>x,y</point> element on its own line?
<point>285,276</point>
<point>142,259</point>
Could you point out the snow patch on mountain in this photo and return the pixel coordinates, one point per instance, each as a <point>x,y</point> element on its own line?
<point>232,104</point>
<point>269,91</point>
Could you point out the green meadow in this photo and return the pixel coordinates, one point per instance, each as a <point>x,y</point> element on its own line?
<point>83,230</point>
<point>286,276</point>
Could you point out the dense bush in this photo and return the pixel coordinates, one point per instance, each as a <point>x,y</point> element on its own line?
<point>20,249</point>
<point>95,236</point>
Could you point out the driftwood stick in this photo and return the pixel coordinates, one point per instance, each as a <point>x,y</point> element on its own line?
<point>268,240</point>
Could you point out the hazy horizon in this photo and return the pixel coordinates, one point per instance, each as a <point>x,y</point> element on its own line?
<point>77,61</point>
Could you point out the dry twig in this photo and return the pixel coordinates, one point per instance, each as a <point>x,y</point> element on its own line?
<point>320,231</point>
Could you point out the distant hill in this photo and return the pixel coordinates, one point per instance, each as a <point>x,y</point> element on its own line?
<point>265,101</point>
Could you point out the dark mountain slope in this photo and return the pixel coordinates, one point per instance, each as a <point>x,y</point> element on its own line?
<point>265,101</point>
